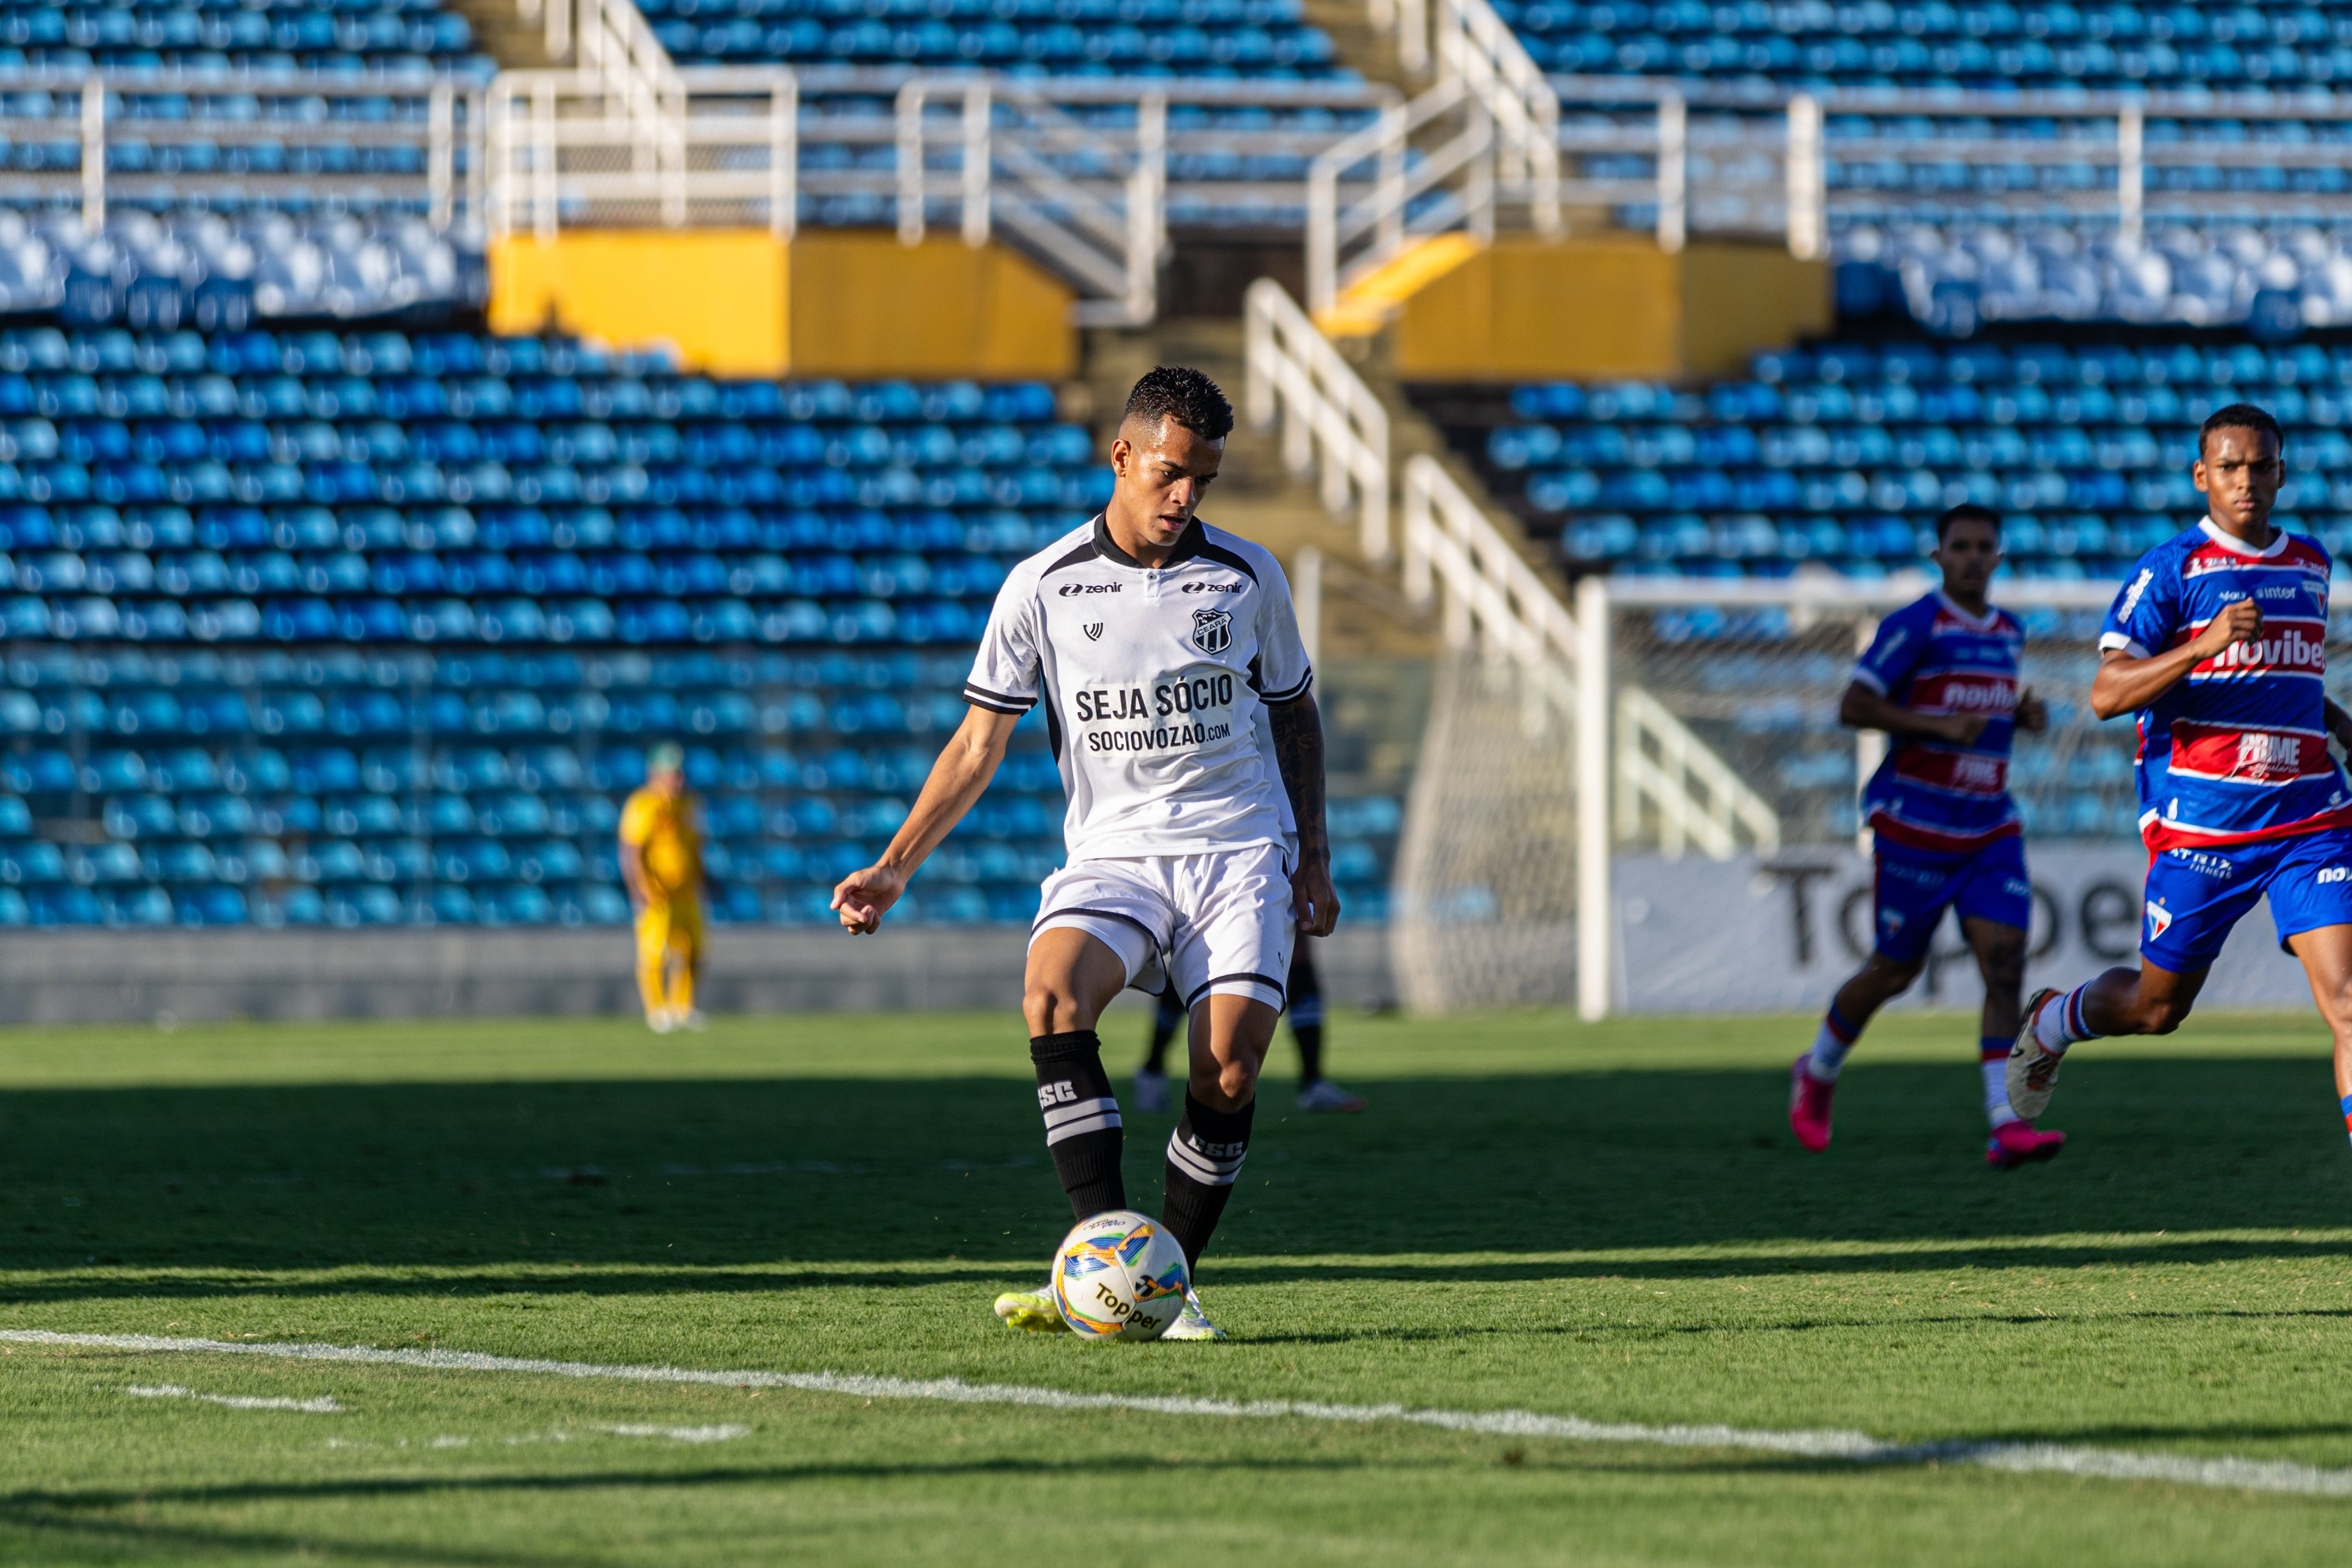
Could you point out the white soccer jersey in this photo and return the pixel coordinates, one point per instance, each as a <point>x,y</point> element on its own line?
<point>1153,681</point>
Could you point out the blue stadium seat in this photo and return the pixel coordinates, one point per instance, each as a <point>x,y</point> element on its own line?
<point>1842,455</point>
<point>318,704</point>
<point>1814,43</point>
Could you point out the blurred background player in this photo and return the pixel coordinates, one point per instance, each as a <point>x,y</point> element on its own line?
<point>661,865</point>
<point>1940,679</point>
<point>2220,641</point>
<point>1316,1092</point>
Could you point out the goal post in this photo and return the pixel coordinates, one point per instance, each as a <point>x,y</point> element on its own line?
<point>1724,698</point>
<point>1688,728</point>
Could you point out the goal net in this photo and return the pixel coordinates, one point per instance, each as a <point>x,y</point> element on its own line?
<point>1484,903</point>
<point>1735,866</point>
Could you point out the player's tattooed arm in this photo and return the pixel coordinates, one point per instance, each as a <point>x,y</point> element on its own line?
<point>1298,755</point>
<point>2340,724</point>
<point>957,780</point>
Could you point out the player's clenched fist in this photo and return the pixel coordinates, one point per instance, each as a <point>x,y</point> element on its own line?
<point>2241,622</point>
<point>864,897</point>
<point>1313,898</point>
<point>2033,713</point>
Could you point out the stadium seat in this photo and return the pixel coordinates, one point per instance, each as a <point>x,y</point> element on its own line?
<point>2055,47</point>
<point>334,691</point>
<point>1841,454</point>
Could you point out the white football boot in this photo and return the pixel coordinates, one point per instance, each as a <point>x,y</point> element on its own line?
<point>1323,1095</point>
<point>692,1019</point>
<point>1031,1311</point>
<point>1193,1323</point>
<point>1150,1092</point>
<point>660,1020</point>
<point>2032,1066</point>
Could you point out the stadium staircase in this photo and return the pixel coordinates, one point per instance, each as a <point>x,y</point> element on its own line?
<point>513,35</point>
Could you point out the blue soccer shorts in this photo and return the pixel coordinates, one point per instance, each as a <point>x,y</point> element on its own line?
<point>1915,887</point>
<point>2195,896</point>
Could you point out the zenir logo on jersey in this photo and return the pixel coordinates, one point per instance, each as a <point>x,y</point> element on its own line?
<point>1213,630</point>
<point>1094,631</point>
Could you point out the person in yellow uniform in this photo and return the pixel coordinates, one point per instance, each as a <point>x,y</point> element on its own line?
<point>661,862</point>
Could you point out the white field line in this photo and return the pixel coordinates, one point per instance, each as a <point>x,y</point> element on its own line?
<point>323,1405</point>
<point>1851,1447</point>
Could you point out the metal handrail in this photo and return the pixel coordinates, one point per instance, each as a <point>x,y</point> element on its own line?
<point>1508,151</point>
<point>1829,143</point>
<point>98,112</point>
<point>1038,163</point>
<point>1491,592</point>
<point>1330,419</point>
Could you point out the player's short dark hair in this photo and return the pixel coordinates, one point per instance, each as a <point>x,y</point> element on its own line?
<point>1179,392</point>
<point>2241,416</point>
<point>1967,511</point>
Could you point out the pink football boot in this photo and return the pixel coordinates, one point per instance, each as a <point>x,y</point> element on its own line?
<point>1809,1106</point>
<point>2015,1143</point>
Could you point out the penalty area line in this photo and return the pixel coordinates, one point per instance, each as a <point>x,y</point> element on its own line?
<point>1849,1448</point>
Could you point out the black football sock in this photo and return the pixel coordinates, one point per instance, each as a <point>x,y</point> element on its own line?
<point>1306,1026</point>
<point>1306,989</point>
<point>1169,1014</point>
<point>1205,1157</point>
<point>1082,1126</point>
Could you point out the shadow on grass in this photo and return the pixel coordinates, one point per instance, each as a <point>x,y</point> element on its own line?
<point>107,1520</point>
<point>633,1180</point>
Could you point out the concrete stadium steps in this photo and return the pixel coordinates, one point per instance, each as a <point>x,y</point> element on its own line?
<point>501,32</point>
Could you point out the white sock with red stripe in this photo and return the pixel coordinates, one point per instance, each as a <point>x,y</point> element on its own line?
<point>2060,1022</point>
<point>1831,1046</point>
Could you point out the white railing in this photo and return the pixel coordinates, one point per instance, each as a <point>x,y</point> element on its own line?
<point>1331,422</point>
<point>1477,47</point>
<point>150,136</point>
<point>1079,174</point>
<point>1696,796</point>
<point>1105,229</point>
<point>1485,135</point>
<point>609,43</point>
<point>1417,189</point>
<point>609,39</point>
<point>1749,160</point>
<point>1487,594</point>
<point>563,151</point>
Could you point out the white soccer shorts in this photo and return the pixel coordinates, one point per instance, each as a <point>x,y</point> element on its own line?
<point>1222,918</point>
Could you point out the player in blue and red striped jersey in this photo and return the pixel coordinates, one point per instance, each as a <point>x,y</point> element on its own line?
<point>1941,677</point>
<point>2219,641</point>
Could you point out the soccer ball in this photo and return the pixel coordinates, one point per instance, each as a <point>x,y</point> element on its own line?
<point>1120,1276</point>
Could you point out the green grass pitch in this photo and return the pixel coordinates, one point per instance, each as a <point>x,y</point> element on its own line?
<point>1607,1221</point>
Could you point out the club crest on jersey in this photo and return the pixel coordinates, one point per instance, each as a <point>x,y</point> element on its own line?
<point>1094,631</point>
<point>1213,630</point>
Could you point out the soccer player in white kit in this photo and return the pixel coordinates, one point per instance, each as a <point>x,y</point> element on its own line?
<point>1178,701</point>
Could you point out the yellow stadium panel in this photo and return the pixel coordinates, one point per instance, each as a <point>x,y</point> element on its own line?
<point>715,297</point>
<point>1610,305</point>
<point>864,304</point>
<point>839,303</point>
